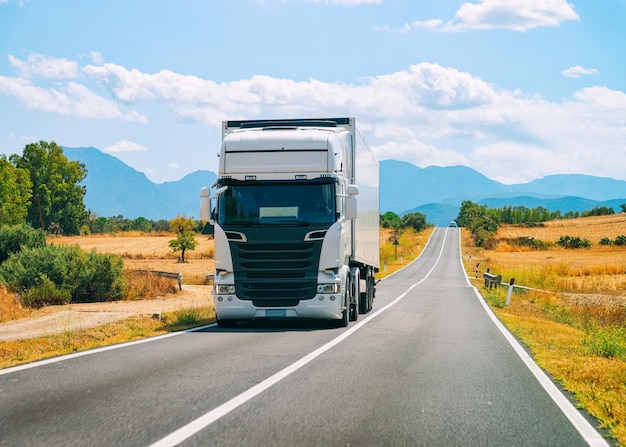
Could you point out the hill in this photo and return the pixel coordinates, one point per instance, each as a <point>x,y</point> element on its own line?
<point>114,188</point>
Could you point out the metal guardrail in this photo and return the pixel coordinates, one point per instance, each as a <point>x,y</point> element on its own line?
<point>491,280</point>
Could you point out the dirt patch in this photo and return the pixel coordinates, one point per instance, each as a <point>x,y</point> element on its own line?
<point>59,319</point>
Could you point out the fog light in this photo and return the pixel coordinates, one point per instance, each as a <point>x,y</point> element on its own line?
<point>321,297</point>
<point>220,298</point>
<point>332,297</point>
<point>230,298</point>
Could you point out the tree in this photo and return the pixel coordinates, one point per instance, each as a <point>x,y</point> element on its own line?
<point>482,222</point>
<point>417,221</point>
<point>390,220</point>
<point>141,224</point>
<point>15,193</point>
<point>57,195</point>
<point>185,236</point>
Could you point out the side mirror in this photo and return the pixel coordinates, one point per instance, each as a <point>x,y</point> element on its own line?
<point>350,208</point>
<point>352,190</point>
<point>205,204</point>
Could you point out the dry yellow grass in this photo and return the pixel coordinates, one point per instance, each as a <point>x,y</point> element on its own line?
<point>599,268</point>
<point>10,307</point>
<point>593,228</point>
<point>150,252</point>
<point>410,245</point>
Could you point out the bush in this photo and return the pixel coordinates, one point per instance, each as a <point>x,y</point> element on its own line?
<point>51,273</point>
<point>530,242</point>
<point>573,242</point>
<point>620,240</point>
<point>14,238</point>
<point>605,241</point>
<point>45,294</point>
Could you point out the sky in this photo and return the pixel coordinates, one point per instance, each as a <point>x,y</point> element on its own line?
<point>515,89</point>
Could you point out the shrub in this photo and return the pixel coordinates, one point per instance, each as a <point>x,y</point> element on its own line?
<point>14,238</point>
<point>605,241</point>
<point>620,240</point>
<point>573,242</point>
<point>84,277</point>
<point>531,242</point>
<point>44,294</point>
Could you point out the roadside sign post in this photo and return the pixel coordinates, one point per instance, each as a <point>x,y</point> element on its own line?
<point>510,292</point>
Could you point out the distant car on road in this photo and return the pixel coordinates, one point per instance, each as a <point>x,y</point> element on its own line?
<point>452,224</point>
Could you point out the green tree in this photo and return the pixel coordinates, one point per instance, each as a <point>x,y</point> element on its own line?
<point>185,235</point>
<point>417,221</point>
<point>390,220</point>
<point>15,193</point>
<point>141,224</point>
<point>482,222</point>
<point>101,225</point>
<point>57,195</point>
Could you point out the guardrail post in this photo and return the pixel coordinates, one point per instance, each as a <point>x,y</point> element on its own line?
<point>180,281</point>
<point>510,292</point>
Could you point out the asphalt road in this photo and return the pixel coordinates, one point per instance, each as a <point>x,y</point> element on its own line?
<point>427,367</point>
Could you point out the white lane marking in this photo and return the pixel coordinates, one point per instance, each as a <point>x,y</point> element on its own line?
<point>97,350</point>
<point>586,430</point>
<point>207,419</point>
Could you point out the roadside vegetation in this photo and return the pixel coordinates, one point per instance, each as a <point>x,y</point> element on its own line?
<point>16,352</point>
<point>573,316</point>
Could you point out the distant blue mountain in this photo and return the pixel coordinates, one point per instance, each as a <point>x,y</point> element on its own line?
<point>114,188</point>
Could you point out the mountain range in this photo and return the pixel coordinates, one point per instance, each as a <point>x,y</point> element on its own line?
<point>114,188</point>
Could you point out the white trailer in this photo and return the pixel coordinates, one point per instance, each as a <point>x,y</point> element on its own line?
<point>295,216</point>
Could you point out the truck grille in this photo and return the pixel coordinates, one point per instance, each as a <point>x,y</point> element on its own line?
<point>276,274</point>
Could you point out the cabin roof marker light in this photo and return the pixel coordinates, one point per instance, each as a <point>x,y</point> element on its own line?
<point>300,176</point>
<point>250,177</point>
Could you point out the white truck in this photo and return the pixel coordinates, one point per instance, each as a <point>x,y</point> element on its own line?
<point>295,218</point>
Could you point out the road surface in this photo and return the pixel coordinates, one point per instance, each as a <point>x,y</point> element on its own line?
<point>427,367</point>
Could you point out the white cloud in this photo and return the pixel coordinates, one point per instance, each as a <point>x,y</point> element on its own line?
<point>348,2</point>
<point>96,57</point>
<point>516,15</point>
<point>426,114</point>
<point>578,71</point>
<point>45,66</point>
<point>66,98</point>
<point>125,146</point>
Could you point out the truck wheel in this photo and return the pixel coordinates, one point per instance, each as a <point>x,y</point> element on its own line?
<point>363,303</point>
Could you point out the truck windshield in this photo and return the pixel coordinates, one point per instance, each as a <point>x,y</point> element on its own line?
<point>287,203</point>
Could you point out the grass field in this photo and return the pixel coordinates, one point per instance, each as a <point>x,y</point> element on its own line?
<point>150,252</point>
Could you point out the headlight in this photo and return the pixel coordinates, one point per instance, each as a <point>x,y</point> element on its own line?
<point>226,289</point>
<point>328,288</point>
